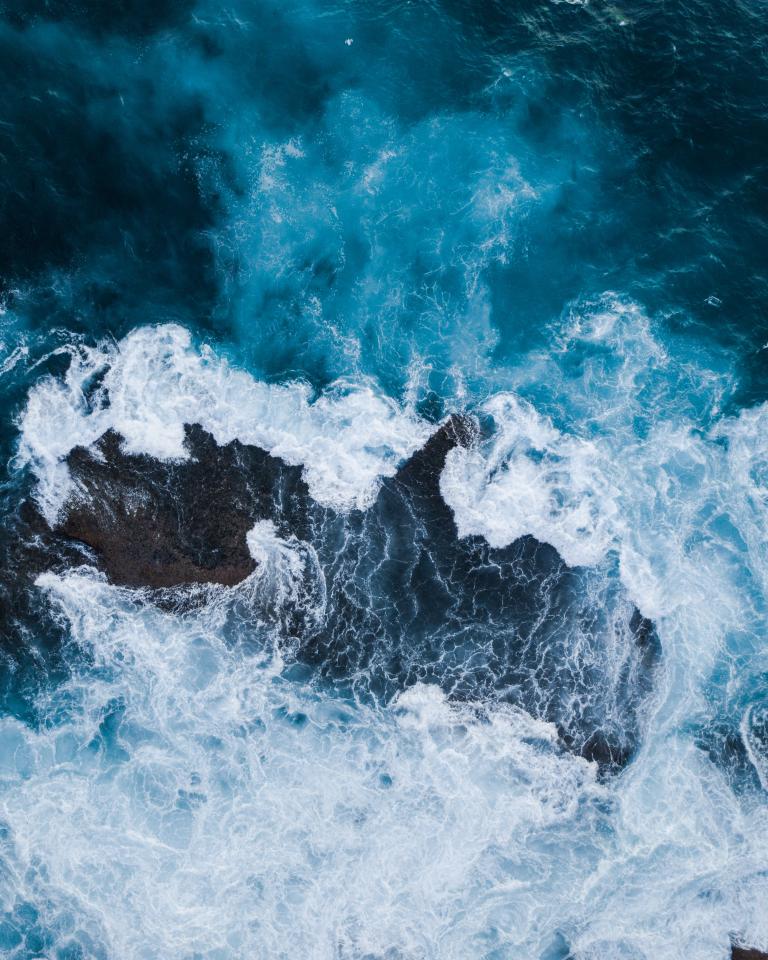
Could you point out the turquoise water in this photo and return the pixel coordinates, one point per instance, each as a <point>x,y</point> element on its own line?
<point>321,228</point>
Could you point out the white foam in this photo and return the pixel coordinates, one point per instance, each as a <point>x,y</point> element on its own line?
<point>288,572</point>
<point>231,814</point>
<point>239,815</point>
<point>156,381</point>
<point>532,479</point>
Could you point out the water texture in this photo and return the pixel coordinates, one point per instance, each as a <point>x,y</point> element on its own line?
<point>503,697</point>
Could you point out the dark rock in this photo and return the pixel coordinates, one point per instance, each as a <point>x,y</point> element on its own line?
<point>403,599</point>
<point>159,524</point>
<point>410,601</point>
<point>27,548</point>
<point>31,635</point>
<point>746,953</point>
<point>421,473</point>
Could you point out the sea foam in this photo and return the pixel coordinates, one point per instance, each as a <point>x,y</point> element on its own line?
<point>240,813</point>
<point>531,479</point>
<point>154,381</point>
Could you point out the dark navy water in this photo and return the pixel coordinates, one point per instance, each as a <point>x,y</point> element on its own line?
<point>319,229</point>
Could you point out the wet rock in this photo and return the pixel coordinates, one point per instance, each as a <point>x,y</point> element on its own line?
<point>421,472</point>
<point>409,601</point>
<point>31,636</point>
<point>746,953</point>
<point>392,595</point>
<point>161,524</point>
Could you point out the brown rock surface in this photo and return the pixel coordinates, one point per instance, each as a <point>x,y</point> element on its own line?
<point>160,524</point>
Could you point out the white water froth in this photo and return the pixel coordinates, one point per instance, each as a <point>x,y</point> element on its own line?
<point>287,575</point>
<point>185,799</point>
<point>239,815</point>
<point>231,814</point>
<point>155,381</point>
<point>531,479</point>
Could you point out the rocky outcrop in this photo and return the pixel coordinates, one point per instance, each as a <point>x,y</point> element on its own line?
<point>746,953</point>
<point>386,597</point>
<point>162,524</point>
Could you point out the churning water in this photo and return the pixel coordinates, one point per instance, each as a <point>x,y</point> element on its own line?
<point>515,708</point>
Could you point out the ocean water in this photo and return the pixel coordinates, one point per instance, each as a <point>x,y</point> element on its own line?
<point>524,717</point>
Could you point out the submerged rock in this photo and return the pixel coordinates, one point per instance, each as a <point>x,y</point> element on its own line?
<point>410,601</point>
<point>32,637</point>
<point>397,597</point>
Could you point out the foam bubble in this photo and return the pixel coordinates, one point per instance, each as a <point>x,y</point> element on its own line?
<point>288,573</point>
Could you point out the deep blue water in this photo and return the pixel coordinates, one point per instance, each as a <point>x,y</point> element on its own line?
<point>320,228</point>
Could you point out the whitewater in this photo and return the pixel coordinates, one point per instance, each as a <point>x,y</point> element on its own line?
<point>384,494</point>
<point>183,795</point>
